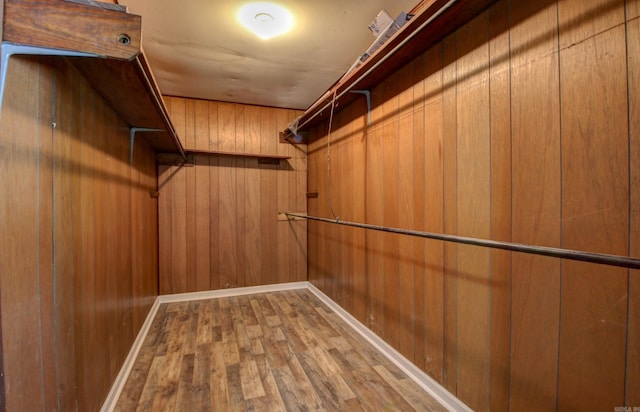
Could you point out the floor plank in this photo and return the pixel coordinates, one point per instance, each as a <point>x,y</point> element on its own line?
<point>264,352</point>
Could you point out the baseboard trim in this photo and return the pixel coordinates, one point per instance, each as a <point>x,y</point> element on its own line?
<point>437,391</point>
<point>116,389</point>
<point>225,293</point>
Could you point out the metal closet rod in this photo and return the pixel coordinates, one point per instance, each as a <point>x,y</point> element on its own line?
<point>600,258</point>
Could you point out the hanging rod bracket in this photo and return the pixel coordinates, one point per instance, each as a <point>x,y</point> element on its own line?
<point>367,94</point>
<point>132,138</point>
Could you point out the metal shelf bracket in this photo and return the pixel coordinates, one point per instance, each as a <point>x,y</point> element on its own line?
<point>9,49</point>
<point>367,94</point>
<point>132,138</point>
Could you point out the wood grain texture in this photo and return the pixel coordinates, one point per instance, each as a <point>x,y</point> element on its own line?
<point>277,359</point>
<point>535,206</point>
<point>595,210</point>
<point>218,214</point>
<point>95,30</point>
<point>515,148</point>
<point>406,211</point>
<point>81,294</point>
<point>433,219</point>
<point>19,180</point>
<point>449,204</point>
<point>418,246</point>
<point>474,213</point>
<point>390,206</point>
<point>632,386</point>
<point>501,222</point>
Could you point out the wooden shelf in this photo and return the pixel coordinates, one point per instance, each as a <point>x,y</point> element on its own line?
<point>431,23</point>
<point>172,159</point>
<point>116,67</point>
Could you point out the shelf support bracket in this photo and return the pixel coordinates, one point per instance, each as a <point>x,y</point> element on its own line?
<point>9,49</point>
<point>367,94</point>
<point>132,139</point>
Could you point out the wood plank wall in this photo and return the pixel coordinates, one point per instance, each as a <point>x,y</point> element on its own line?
<point>218,217</point>
<point>79,247</point>
<point>524,126</point>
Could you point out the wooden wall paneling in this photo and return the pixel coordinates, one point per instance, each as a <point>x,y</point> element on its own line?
<point>357,163</point>
<point>203,199</point>
<point>349,205</point>
<point>227,201</point>
<point>19,279</point>
<point>268,197</point>
<point>64,211</point>
<point>122,176</point>
<point>190,198</point>
<point>178,186</point>
<point>165,215</point>
<point>449,178</point>
<point>292,203</point>
<point>87,257</point>
<point>240,168</point>
<point>214,198</point>
<point>144,230</point>
<point>535,205</point>
<point>101,222</point>
<point>418,246</point>
<point>45,82</point>
<point>324,231</point>
<point>595,204</point>
<point>165,173</point>
<point>284,228</point>
<point>390,180</point>
<point>474,213</point>
<point>500,109</point>
<point>407,191</point>
<point>432,218</point>
<point>339,184</point>
<point>313,208</point>
<point>300,204</point>
<point>374,208</point>
<point>633,9</point>
<point>253,213</point>
<point>632,387</point>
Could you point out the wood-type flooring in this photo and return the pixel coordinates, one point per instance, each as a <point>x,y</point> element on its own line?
<point>273,351</point>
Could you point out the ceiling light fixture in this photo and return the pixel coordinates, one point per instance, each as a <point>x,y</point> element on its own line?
<point>265,20</point>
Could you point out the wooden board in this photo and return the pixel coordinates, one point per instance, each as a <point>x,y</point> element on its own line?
<point>20,275</point>
<point>595,205</point>
<point>535,143</point>
<point>633,322</point>
<point>450,259</point>
<point>406,211</point>
<point>432,219</point>
<point>474,214</point>
<point>501,222</point>
<point>390,209</point>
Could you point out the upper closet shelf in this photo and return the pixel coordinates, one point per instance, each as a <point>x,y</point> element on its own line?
<point>432,21</point>
<point>103,42</point>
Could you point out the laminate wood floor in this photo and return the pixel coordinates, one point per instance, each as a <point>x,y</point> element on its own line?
<point>275,351</point>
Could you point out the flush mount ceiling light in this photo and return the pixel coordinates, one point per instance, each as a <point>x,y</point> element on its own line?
<point>265,20</point>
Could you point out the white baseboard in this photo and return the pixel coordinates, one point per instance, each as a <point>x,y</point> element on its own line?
<point>116,389</point>
<point>225,293</point>
<point>437,391</point>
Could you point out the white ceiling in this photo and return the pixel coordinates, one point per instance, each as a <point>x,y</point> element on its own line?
<point>197,49</point>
